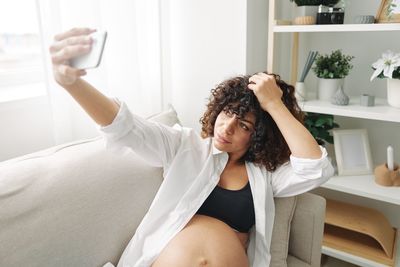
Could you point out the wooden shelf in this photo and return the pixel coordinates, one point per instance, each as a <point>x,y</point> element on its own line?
<point>338,28</point>
<point>360,261</point>
<point>365,186</point>
<point>360,231</point>
<point>381,111</point>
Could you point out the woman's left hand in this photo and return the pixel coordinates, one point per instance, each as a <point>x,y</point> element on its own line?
<point>266,90</point>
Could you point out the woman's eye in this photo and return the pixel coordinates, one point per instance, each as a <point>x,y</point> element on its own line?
<point>244,126</point>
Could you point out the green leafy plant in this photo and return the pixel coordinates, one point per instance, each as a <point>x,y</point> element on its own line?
<point>319,126</point>
<point>390,8</point>
<point>315,2</point>
<point>333,66</point>
<point>307,2</point>
<point>329,2</point>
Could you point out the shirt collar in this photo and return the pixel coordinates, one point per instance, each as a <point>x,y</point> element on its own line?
<point>215,150</point>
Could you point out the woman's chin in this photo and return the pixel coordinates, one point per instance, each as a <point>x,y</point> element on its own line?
<point>221,146</point>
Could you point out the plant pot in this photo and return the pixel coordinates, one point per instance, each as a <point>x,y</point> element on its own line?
<point>393,92</point>
<point>300,91</point>
<point>328,87</point>
<point>305,15</point>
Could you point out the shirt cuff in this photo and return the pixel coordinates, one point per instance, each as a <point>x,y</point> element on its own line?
<point>121,124</point>
<point>312,168</point>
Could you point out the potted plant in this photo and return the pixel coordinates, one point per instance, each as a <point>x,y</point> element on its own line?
<point>315,2</point>
<point>306,10</point>
<point>389,67</point>
<point>331,71</point>
<point>320,126</point>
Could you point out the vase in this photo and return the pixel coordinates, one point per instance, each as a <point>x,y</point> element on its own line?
<point>328,87</point>
<point>393,92</point>
<point>340,98</point>
<point>300,91</point>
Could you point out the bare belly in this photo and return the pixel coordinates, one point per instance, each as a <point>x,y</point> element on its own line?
<point>205,241</point>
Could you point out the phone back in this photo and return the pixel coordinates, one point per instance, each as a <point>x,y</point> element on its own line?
<point>93,58</point>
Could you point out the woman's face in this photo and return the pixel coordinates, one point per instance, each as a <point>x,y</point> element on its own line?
<point>232,134</point>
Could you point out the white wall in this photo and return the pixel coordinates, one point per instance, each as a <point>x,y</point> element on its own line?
<point>207,45</point>
<point>210,41</point>
<point>257,36</point>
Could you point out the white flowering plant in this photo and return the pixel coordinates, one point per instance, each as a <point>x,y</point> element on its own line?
<point>388,66</point>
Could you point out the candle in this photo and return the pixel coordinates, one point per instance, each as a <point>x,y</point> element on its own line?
<point>390,158</point>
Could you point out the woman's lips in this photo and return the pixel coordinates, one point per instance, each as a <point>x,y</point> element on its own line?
<point>222,140</point>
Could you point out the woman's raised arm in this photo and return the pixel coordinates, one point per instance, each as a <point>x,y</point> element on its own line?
<point>66,46</point>
<point>300,141</point>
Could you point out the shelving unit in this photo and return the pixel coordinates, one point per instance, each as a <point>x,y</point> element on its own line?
<point>338,28</point>
<point>363,185</point>
<point>381,111</point>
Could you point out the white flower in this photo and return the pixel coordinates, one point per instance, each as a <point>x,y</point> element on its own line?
<point>388,63</point>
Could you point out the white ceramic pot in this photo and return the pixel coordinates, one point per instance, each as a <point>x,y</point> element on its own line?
<point>328,87</point>
<point>305,15</point>
<point>300,91</point>
<point>393,92</point>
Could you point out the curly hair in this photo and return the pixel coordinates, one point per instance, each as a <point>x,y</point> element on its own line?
<point>267,145</point>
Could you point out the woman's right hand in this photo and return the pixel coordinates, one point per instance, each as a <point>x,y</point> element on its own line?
<point>66,46</point>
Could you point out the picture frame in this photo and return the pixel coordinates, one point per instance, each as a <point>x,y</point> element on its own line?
<point>382,15</point>
<point>353,153</point>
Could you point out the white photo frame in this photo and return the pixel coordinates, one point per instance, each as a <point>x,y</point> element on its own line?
<point>353,153</point>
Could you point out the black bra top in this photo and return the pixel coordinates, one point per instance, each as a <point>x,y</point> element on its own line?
<point>234,207</point>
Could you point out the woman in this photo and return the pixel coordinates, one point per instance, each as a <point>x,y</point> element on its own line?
<point>215,206</point>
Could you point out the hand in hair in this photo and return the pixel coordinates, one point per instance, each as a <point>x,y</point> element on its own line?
<point>266,90</point>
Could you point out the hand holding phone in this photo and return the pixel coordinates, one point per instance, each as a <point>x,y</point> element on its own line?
<point>93,58</point>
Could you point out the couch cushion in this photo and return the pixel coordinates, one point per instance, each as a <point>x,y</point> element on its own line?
<point>307,227</point>
<point>284,210</point>
<point>292,261</point>
<point>72,205</point>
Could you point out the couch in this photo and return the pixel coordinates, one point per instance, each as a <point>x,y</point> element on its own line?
<point>78,204</point>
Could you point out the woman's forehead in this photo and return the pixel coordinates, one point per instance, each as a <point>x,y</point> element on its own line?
<point>248,116</point>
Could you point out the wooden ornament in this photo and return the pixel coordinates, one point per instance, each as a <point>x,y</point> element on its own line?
<point>385,177</point>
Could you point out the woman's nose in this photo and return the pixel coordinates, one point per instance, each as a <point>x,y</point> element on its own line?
<point>230,125</point>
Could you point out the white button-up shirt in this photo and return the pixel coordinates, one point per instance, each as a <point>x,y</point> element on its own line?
<point>192,167</point>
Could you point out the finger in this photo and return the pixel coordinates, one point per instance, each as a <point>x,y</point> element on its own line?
<point>268,76</point>
<point>252,86</point>
<point>70,71</point>
<point>73,32</point>
<point>76,40</point>
<point>255,79</point>
<point>262,74</point>
<point>69,52</point>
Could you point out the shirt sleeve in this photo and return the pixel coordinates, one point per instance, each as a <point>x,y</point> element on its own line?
<point>300,175</point>
<point>154,142</point>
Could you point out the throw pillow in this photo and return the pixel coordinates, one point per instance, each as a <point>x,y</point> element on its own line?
<point>284,210</point>
<point>168,117</point>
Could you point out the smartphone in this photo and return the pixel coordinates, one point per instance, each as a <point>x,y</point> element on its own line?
<point>93,58</point>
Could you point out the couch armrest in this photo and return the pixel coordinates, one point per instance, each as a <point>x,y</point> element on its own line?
<point>307,229</point>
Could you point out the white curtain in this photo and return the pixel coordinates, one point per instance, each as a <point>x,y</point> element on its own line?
<point>131,64</point>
